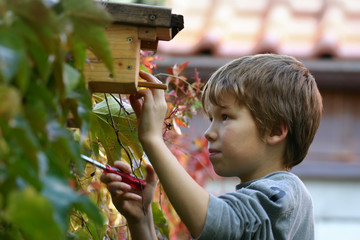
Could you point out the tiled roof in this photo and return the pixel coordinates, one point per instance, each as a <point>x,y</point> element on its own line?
<point>301,28</point>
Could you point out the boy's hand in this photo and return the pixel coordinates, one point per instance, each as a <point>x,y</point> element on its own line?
<point>150,109</point>
<point>131,203</point>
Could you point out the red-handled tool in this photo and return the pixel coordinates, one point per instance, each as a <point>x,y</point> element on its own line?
<point>133,181</point>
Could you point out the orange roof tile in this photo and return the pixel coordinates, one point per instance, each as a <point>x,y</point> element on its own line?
<point>302,28</point>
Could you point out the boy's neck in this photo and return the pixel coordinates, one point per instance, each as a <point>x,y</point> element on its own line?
<point>263,172</point>
<point>272,162</point>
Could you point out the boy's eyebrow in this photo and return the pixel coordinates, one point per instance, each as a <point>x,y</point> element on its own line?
<point>229,106</point>
<point>226,106</point>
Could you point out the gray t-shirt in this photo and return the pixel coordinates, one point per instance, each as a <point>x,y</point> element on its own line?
<point>277,206</point>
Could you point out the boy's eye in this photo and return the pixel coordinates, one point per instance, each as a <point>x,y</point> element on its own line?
<point>224,117</point>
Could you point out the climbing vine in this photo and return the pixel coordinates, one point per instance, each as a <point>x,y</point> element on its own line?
<point>42,52</point>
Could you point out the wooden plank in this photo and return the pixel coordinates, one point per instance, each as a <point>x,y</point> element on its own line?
<point>149,45</point>
<point>123,41</point>
<point>147,33</point>
<point>164,34</point>
<point>153,34</point>
<point>124,80</point>
<point>139,14</point>
<point>124,71</point>
<point>111,87</point>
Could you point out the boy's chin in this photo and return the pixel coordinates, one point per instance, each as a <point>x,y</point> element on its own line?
<point>224,173</point>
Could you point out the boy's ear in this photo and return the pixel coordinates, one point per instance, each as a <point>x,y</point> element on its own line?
<point>277,134</point>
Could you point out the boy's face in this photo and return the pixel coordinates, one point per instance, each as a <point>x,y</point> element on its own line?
<point>235,147</point>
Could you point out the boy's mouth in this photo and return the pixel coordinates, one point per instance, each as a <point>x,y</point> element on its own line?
<point>213,152</point>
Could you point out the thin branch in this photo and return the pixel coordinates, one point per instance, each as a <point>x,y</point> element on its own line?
<point>116,130</point>
<point>173,76</point>
<point>126,113</point>
<point>121,144</point>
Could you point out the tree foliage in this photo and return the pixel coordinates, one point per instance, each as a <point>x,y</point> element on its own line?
<point>40,87</point>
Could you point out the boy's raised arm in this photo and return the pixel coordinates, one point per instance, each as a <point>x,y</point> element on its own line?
<point>189,199</point>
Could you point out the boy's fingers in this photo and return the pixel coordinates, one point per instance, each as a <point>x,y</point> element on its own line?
<point>123,166</point>
<point>118,187</point>
<point>131,196</point>
<point>137,100</point>
<point>149,77</point>
<point>110,177</point>
<point>136,104</point>
<point>123,190</point>
<point>150,175</point>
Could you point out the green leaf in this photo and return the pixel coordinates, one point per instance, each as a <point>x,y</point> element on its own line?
<point>97,231</point>
<point>89,20</point>
<point>95,38</point>
<point>37,52</point>
<point>41,19</point>
<point>87,10</point>
<point>82,234</point>
<point>198,104</point>
<point>144,68</point>
<point>24,138</point>
<point>98,97</point>
<point>12,55</point>
<point>78,51</point>
<point>160,220</point>
<point>125,124</point>
<point>80,106</point>
<point>10,100</point>
<point>9,232</point>
<point>32,213</point>
<point>62,150</point>
<point>36,108</point>
<point>101,130</point>
<point>23,74</point>
<point>64,198</point>
<point>71,78</point>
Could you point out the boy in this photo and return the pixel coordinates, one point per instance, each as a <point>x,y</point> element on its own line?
<point>264,111</point>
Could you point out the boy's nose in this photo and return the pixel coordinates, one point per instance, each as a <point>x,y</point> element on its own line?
<point>210,134</point>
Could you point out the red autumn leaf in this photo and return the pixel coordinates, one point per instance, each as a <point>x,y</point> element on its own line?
<point>72,183</point>
<point>96,185</point>
<point>176,70</point>
<point>180,123</point>
<point>197,78</point>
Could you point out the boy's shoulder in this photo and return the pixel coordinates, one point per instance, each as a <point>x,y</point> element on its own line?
<point>280,178</point>
<point>268,206</point>
<point>279,188</point>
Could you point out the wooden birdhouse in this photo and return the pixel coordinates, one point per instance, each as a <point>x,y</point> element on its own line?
<point>135,27</point>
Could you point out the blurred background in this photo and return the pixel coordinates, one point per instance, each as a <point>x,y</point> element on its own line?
<point>325,35</point>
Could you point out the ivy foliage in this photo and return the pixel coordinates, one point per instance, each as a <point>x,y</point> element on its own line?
<point>42,53</point>
<point>114,125</point>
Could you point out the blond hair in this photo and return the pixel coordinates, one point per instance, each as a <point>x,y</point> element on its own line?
<point>277,89</point>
